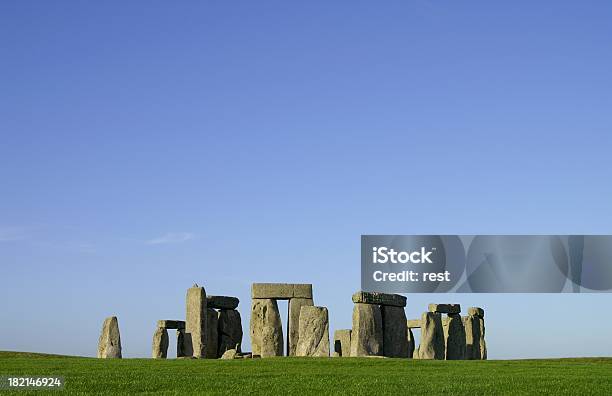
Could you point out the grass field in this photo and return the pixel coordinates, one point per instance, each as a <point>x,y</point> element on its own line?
<point>321,376</point>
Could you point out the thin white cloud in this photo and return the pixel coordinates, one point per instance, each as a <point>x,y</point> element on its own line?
<point>8,234</point>
<point>172,237</point>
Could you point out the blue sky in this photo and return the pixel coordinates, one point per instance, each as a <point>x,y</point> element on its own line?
<point>146,146</point>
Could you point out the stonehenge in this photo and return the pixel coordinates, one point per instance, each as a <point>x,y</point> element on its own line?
<point>212,328</point>
<point>109,344</point>
<point>313,337</point>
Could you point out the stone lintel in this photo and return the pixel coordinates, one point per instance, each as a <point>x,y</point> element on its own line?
<point>171,324</point>
<point>222,302</point>
<point>445,308</point>
<point>395,300</point>
<point>281,291</point>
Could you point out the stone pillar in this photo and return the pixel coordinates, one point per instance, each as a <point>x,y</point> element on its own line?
<point>395,329</point>
<point>266,328</point>
<point>295,304</point>
<point>195,323</point>
<point>342,343</point>
<point>367,333</point>
<point>472,337</point>
<point>109,344</point>
<point>483,343</point>
<point>180,343</point>
<point>160,343</point>
<point>230,331</point>
<point>411,343</point>
<point>455,338</point>
<point>313,337</point>
<point>212,335</point>
<point>432,337</point>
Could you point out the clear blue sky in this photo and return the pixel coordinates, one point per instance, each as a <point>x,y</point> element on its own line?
<point>147,145</point>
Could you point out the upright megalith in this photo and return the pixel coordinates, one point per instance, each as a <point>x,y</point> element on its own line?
<point>476,347</point>
<point>411,343</point>
<point>313,332</point>
<point>266,328</point>
<point>367,332</point>
<point>342,343</point>
<point>432,337</point>
<point>212,335</point>
<point>195,323</point>
<point>109,344</point>
<point>229,331</point>
<point>160,343</point>
<point>180,343</point>
<point>293,324</point>
<point>395,329</point>
<point>455,338</point>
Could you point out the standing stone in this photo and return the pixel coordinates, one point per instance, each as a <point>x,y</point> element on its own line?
<point>109,344</point>
<point>314,332</point>
<point>411,344</point>
<point>472,337</point>
<point>160,343</point>
<point>367,333</point>
<point>266,329</point>
<point>293,325</point>
<point>195,323</point>
<point>342,343</point>
<point>229,330</point>
<point>455,338</point>
<point>212,335</point>
<point>432,337</point>
<point>483,343</point>
<point>180,343</point>
<point>395,329</point>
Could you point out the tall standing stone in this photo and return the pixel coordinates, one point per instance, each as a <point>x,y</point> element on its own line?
<point>483,343</point>
<point>266,329</point>
<point>212,335</point>
<point>230,331</point>
<point>395,329</point>
<point>180,343</point>
<point>293,325</point>
<point>472,337</point>
<point>432,337</point>
<point>109,344</point>
<point>314,332</point>
<point>455,338</point>
<point>160,343</point>
<point>367,334</point>
<point>342,343</point>
<point>195,323</point>
<point>411,343</point>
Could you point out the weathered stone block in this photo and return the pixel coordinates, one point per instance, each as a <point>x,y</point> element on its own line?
<point>313,332</point>
<point>379,298</point>
<point>445,308</point>
<point>342,343</point>
<point>160,343</point>
<point>230,354</point>
<point>195,323</point>
<point>293,325</point>
<point>109,344</point>
<point>483,343</point>
<point>455,338</point>
<point>281,291</point>
<point>432,337</point>
<point>475,311</point>
<point>212,335</point>
<point>180,343</point>
<point>171,324</point>
<point>395,332</point>
<point>229,330</point>
<point>222,302</point>
<point>472,337</point>
<point>411,344</point>
<point>266,329</point>
<point>414,323</point>
<point>367,333</point>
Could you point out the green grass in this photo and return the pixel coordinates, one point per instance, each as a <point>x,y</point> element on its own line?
<point>355,376</point>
